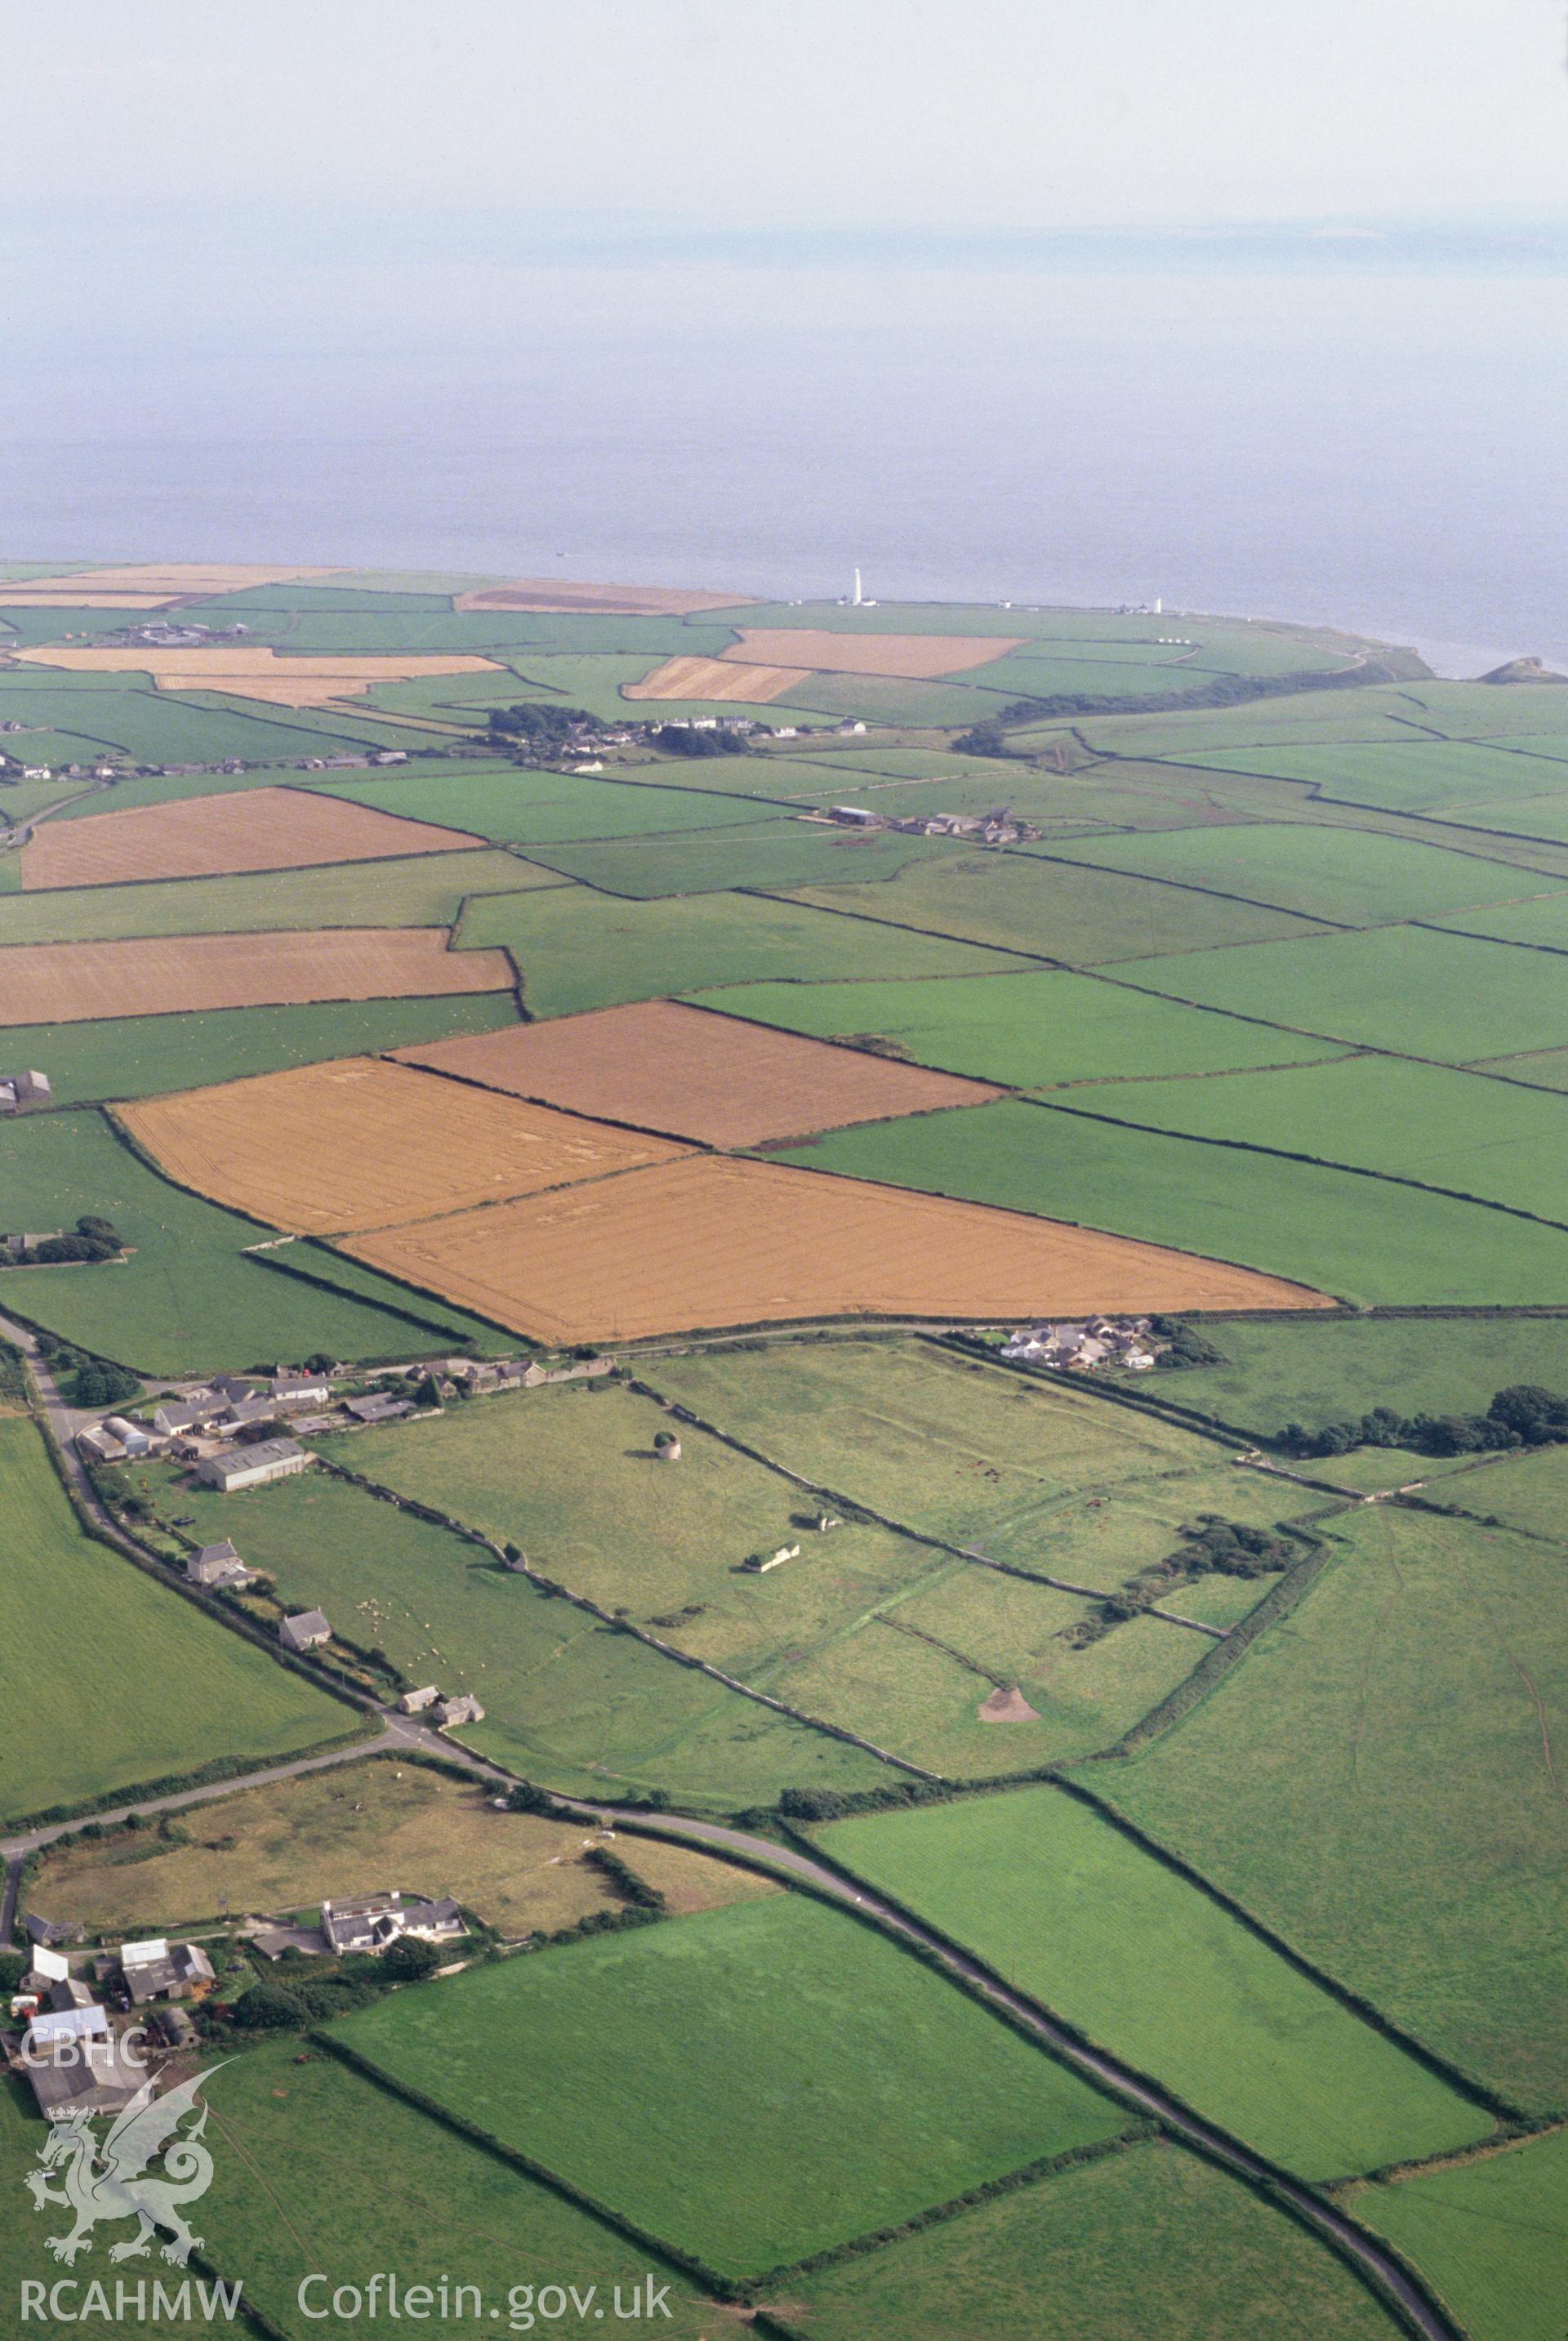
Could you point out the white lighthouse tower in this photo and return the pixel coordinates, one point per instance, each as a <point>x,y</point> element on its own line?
<point>856,597</point>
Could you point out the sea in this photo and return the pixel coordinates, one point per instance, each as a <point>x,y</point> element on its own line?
<point>1386,451</point>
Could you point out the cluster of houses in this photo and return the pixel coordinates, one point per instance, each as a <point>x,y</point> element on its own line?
<point>1121,1342</point>
<point>366,1923</point>
<point>19,1090</point>
<point>69,2049</point>
<point>203,1426</point>
<point>999,826</point>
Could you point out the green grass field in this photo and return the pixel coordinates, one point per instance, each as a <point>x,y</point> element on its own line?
<point>1457,1131</point>
<point>1318,1370</point>
<point>1065,1905</point>
<point>805,2080</point>
<point>1352,877</point>
<point>567,1699</point>
<point>1527,1492</point>
<point>426,892</point>
<point>1542,920</point>
<point>174,787</point>
<point>570,1475</point>
<point>1406,989</point>
<point>1031,1031</point>
<point>515,807</point>
<point>1362,1240</point>
<point>187,1301</point>
<point>161,727</point>
<point>138,1056</point>
<point>1375,1782</point>
<point>1150,2241</point>
<point>774,853</point>
<point>591,679</point>
<point>1490,2237</point>
<point>114,1680</point>
<point>1018,902</point>
<point>578,950</point>
<point>1408,775</point>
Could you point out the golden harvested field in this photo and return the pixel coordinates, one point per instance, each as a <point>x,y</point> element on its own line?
<point>206,837</point>
<point>616,600</point>
<point>695,1074</point>
<point>709,1242</point>
<point>254,671</point>
<point>160,975</point>
<point>358,1143</point>
<point>716,678</point>
<point>92,597</point>
<point>161,581</point>
<point>919,657</point>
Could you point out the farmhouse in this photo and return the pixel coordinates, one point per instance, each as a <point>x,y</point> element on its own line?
<point>380,1407</point>
<point>252,1466</point>
<point>157,1970</point>
<point>216,1565</point>
<point>199,1410</point>
<point>465,1709</point>
<point>414,1702</point>
<point>306,1630</point>
<point>373,1922</point>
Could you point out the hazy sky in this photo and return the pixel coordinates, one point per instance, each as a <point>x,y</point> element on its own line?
<point>1017,112</point>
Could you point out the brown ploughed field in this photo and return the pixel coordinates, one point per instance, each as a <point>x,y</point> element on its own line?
<point>919,658</point>
<point>160,975</point>
<point>713,1078</point>
<point>564,594</point>
<point>358,1143</point>
<point>279,678</point>
<point>708,1242</point>
<point>209,837</point>
<point>716,678</point>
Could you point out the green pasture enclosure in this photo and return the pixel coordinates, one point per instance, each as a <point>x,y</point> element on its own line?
<point>1527,1492</point>
<point>22,626</point>
<point>594,952</point>
<point>1030,1031</point>
<point>318,1263</point>
<point>166,727</point>
<point>1043,1474</point>
<point>914,1677</point>
<point>426,890</point>
<point>1360,1238</point>
<point>287,2202</point>
<point>1483,711</point>
<point>1018,901</point>
<point>1352,877</point>
<point>568,1700</point>
<point>1020,677</point>
<point>1064,1904</point>
<point>285,595</point>
<point>782,778</point>
<point>1149,2241</point>
<point>1410,990</point>
<point>870,759</point>
<point>1538,817</point>
<point>118,1681</point>
<point>769,853</point>
<point>1374,1782</point>
<point>1317,1370</point>
<point>141,1056</point>
<point>443,581</point>
<point>517,807</point>
<point>1540,920</point>
<point>806,2080</point>
<point>1458,1130</point>
<point>187,1301</point>
<point>1546,1068</point>
<point>893,699</point>
<point>21,801</point>
<point>1490,2237</point>
<point>573,1475</point>
<point>1111,629</point>
<point>434,627</point>
<point>1407,774</point>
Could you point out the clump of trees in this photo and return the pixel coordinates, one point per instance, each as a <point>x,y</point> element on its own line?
<point>685,740</point>
<point>98,1383</point>
<point>1210,1546</point>
<point>1523,1415</point>
<point>989,738</point>
<point>1187,1345</point>
<point>315,1993</point>
<point>540,726</point>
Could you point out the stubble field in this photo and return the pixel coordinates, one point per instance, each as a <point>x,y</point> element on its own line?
<point>206,837</point>
<point>157,975</point>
